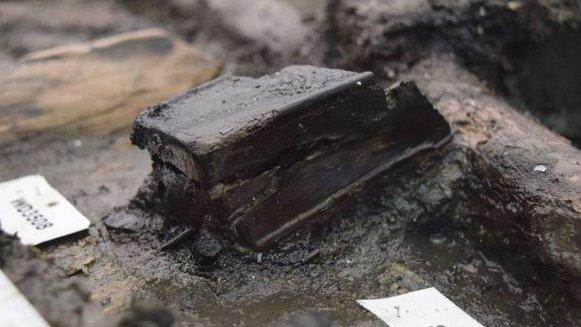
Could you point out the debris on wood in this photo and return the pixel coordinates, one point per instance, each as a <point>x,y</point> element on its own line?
<point>263,156</point>
<point>80,267</point>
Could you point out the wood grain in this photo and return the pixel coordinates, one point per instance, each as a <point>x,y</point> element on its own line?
<point>96,88</point>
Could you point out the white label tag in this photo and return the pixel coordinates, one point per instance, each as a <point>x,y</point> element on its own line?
<point>37,213</point>
<point>15,310</point>
<point>424,308</point>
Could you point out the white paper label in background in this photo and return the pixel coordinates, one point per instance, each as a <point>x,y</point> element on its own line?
<point>424,308</point>
<point>15,310</point>
<point>37,213</point>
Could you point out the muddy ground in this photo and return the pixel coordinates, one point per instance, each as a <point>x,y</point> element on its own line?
<point>419,225</point>
<point>385,244</point>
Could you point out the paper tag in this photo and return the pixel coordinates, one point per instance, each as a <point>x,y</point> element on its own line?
<point>424,308</point>
<point>37,213</point>
<point>15,310</point>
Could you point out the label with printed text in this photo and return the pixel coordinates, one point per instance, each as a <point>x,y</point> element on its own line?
<point>423,308</point>
<point>36,213</point>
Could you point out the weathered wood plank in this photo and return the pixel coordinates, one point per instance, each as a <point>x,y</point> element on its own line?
<point>97,87</point>
<point>541,210</point>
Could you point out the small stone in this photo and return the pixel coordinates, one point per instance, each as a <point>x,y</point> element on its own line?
<point>208,245</point>
<point>82,267</point>
<point>470,268</point>
<point>437,238</point>
<point>124,220</point>
<point>540,168</point>
<point>514,5</point>
<point>482,12</point>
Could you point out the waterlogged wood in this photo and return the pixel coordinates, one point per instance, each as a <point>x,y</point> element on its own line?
<point>96,87</point>
<point>523,179</point>
<point>263,156</point>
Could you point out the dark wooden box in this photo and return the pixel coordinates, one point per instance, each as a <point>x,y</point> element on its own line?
<point>262,156</point>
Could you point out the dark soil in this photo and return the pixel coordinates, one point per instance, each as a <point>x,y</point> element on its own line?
<point>385,244</point>
<point>53,296</point>
<point>527,50</point>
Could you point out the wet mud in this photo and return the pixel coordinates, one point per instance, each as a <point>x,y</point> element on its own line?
<point>386,243</point>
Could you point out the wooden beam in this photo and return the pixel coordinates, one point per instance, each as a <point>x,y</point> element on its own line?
<point>264,156</point>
